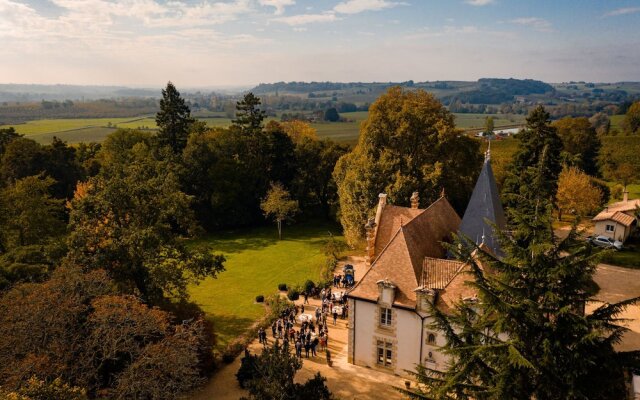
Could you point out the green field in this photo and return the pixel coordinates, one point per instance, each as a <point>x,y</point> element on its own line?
<point>96,129</point>
<point>256,263</point>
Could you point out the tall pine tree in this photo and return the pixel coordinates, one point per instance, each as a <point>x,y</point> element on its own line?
<point>174,119</point>
<point>539,140</point>
<point>249,116</point>
<point>528,336</point>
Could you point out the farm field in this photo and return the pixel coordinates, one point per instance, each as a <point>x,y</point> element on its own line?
<point>96,129</point>
<point>256,263</point>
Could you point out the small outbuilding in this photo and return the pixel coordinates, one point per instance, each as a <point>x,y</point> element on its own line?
<point>617,220</point>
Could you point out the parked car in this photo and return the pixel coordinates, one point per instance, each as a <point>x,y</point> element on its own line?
<point>603,241</point>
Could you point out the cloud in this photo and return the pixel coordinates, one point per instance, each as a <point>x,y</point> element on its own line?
<point>622,11</point>
<point>479,2</point>
<point>304,19</point>
<point>358,6</point>
<point>539,24</point>
<point>278,4</point>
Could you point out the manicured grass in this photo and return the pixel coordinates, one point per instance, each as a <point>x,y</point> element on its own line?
<point>44,126</point>
<point>256,263</point>
<point>629,256</point>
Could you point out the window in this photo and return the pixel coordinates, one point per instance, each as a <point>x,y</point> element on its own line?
<point>385,316</point>
<point>431,339</point>
<point>385,353</point>
<point>610,228</point>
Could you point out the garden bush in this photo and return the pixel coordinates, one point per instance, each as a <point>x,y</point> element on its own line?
<point>309,285</point>
<point>282,287</point>
<point>294,293</point>
<point>259,299</point>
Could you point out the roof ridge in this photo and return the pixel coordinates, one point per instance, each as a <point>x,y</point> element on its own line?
<point>424,211</point>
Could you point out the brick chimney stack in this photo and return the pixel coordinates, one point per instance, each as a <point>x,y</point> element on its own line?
<point>370,229</point>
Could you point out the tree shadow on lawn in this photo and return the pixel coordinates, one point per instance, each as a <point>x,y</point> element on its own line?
<point>239,240</point>
<point>226,328</point>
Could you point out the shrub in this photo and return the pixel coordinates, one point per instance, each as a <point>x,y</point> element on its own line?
<point>259,299</point>
<point>282,287</point>
<point>247,370</point>
<point>294,294</point>
<point>232,350</point>
<point>309,285</point>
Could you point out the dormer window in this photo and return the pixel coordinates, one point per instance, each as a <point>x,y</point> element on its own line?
<point>386,293</point>
<point>425,299</point>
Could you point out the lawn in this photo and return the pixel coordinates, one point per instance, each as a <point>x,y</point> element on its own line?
<point>256,263</point>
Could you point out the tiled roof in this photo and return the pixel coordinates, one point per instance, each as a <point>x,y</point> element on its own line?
<point>624,206</point>
<point>390,221</point>
<point>401,260</point>
<point>438,272</point>
<point>617,216</point>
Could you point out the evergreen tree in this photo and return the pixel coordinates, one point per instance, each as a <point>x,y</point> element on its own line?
<point>270,376</point>
<point>539,141</point>
<point>249,116</point>
<point>527,336</point>
<point>174,119</point>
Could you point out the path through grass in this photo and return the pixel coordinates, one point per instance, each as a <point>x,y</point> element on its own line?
<point>256,263</point>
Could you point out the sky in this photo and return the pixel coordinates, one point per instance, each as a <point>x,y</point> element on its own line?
<point>216,43</point>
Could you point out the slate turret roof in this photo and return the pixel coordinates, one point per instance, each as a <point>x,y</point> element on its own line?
<point>484,205</point>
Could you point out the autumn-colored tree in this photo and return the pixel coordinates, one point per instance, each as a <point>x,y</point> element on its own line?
<point>113,346</point>
<point>489,126</point>
<point>632,118</point>
<point>408,143</point>
<point>297,130</point>
<point>576,194</point>
<point>279,205</point>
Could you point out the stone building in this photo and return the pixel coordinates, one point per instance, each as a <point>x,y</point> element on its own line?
<point>389,319</point>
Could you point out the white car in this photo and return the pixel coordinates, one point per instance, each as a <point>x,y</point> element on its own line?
<point>606,242</point>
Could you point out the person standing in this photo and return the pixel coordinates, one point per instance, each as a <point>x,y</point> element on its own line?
<point>335,316</point>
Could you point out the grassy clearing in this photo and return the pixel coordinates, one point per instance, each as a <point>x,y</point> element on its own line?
<point>256,263</point>
<point>44,126</point>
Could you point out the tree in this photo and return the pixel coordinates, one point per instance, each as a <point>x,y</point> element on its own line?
<point>173,120</point>
<point>249,116</point>
<point>297,130</point>
<point>22,157</point>
<point>126,220</point>
<point>527,335</point>
<point>408,143</point>
<point>113,346</point>
<point>576,193</point>
<point>279,205</point>
<point>7,135</point>
<point>488,126</point>
<point>539,149</point>
<point>30,215</point>
<point>632,118</point>
<point>331,115</point>
<point>36,389</point>
<point>580,142</point>
<point>271,374</point>
<point>601,123</point>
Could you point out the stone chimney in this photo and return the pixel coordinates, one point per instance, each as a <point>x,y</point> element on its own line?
<point>370,230</point>
<point>625,195</point>
<point>415,200</point>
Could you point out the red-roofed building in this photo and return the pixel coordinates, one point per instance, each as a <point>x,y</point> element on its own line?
<point>389,317</point>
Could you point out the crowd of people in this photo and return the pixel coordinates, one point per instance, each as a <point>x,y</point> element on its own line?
<point>308,332</point>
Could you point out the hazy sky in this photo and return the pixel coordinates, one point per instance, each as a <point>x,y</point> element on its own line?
<point>244,42</point>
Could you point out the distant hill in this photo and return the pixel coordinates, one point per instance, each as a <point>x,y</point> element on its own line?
<point>27,93</point>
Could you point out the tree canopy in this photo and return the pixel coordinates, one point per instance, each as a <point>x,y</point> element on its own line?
<point>279,205</point>
<point>408,143</point>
